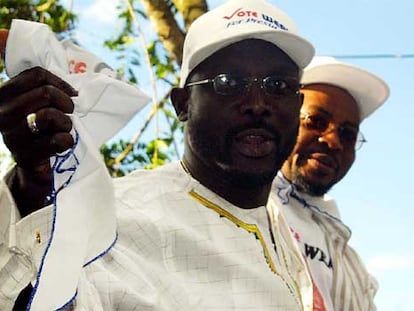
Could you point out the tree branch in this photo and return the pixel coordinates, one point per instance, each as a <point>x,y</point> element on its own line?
<point>190,10</point>
<point>169,32</point>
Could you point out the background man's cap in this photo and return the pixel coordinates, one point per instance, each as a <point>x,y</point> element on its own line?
<point>237,20</point>
<point>368,90</point>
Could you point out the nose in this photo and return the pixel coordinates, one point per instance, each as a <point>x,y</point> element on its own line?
<point>254,103</point>
<point>332,139</point>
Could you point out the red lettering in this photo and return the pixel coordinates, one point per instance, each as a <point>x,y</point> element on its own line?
<point>231,16</point>
<point>80,67</point>
<point>240,13</point>
<point>76,67</point>
<point>249,13</point>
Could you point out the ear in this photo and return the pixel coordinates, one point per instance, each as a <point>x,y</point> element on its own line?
<point>179,99</point>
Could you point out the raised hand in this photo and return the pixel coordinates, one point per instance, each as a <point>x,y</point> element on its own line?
<point>35,126</point>
<point>33,120</point>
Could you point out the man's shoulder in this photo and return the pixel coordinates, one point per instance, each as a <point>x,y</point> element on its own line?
<point>144,185</point>
<point>283,191</point>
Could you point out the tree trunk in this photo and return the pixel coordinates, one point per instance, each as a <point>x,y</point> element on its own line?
<point>162,17</point>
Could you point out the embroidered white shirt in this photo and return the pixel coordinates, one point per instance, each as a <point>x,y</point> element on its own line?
<point>179,247</point>
<point>338,272</point>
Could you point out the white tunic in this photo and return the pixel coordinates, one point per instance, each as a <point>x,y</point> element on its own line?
<point>338,272</point>
<point>80,169</point>
<point>179,247</point>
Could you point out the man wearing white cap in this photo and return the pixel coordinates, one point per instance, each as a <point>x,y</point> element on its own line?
<point>337,98</point>
<point>199,234</point>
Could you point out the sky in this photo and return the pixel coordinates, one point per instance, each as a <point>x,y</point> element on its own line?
<point>374,197</point>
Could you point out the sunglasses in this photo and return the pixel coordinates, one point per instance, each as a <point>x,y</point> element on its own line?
<point>230,85</point>
<point>349,136</point>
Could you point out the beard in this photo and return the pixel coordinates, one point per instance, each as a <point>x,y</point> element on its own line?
<point>214,149</point>
<point>311,188</point>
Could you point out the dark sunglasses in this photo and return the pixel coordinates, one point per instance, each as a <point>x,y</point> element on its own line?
<point>350,136</point>
<point>230,85</point>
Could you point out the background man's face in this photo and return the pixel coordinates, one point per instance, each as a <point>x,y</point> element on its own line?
<point>319,161</point>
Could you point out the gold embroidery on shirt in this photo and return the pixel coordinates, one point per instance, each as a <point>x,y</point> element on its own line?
<point>38,237</point>
<point>252,228</point>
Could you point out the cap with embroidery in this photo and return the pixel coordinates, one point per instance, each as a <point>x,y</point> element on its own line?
<point>368,90</point>
<point>237,20</point>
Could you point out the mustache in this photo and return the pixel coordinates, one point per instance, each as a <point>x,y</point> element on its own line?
<point>233,132</point>
<point>323,148</point>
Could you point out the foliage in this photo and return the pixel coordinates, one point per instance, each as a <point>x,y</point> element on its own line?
<point>50,12</point>
<point>142,155</point>
<point>161,55</point>
<point>163,147</point>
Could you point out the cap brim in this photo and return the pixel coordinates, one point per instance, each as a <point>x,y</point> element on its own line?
<point>298,49</point>
<point>369,91</point>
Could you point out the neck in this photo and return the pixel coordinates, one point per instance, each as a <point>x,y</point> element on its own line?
<point>219,182</point>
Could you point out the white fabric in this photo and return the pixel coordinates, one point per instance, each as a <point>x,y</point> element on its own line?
<point>237,20</point>
<point>368,90</point>
<point>104,104</point>
<point>336,269</point>
<point>173,252</point>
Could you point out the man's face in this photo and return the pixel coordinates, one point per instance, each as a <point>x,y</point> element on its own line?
<point>247,136</point>
<point>322,157</point>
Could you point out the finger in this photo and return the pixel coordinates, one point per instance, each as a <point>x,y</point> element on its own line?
<point>47,122</point>
<point>61,142</point>
<point>28,153</point>
<point>42,97</point>
<point>31,79</point>
<point>30,148</point>
<point>52,120</point>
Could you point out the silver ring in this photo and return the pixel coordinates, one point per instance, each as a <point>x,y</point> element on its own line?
<point>31,123</point>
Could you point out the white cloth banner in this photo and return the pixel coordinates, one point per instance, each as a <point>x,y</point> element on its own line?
<point>84,189</point>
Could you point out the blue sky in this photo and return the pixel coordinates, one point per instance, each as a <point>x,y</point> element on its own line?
<point>374,197</point>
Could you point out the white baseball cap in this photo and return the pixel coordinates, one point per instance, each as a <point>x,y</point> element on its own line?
<point>237,20</point>
<point>368,90</point>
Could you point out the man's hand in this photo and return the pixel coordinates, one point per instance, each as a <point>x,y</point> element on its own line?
<point>36,91</point>
<point>47,96</point>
